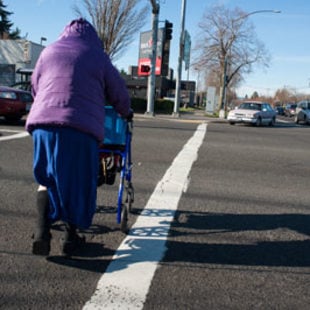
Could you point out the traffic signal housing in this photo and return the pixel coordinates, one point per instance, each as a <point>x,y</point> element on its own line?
<point>168,30</point>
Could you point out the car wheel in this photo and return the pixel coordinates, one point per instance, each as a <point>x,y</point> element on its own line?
<point>296,119</point>
<point>272,122</point>
<point>231,123</point>
<point>258,122</point>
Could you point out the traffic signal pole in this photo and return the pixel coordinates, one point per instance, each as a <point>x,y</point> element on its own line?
<point>151,78</point>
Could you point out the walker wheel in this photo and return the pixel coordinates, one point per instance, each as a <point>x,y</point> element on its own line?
<point>124,219</point>
<point>129,197</point>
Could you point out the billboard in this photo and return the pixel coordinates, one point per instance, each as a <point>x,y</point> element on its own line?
<point>145,53</point>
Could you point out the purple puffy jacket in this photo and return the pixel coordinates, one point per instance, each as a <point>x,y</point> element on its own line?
<point>72,81</point>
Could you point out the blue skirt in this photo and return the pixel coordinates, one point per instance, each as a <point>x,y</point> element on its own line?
<point>66,162</point>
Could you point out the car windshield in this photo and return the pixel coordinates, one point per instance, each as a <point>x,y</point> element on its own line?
<point>250,106</point>
<point>291,106</point>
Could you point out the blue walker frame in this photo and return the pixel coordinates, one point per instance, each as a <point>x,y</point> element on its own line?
<point>117,141</point>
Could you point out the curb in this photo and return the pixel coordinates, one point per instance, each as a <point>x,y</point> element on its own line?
<point>181,117</point>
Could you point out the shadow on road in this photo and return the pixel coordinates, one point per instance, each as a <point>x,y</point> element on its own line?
<point>291,253</point>
<point>272,254</point>
<point>143,241</point>
<point>87,259</point>
<point>228,222</point>
<point>19,123</point>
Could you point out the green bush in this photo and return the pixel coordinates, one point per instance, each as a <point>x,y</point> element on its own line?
<point>163,106</point>
<point>138,105</point>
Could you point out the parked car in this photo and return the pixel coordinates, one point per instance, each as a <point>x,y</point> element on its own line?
<point>290,110</point>
<point>253,112</point>
<point>14,103</point>
<point>303,112</point>
<point>279,110</point>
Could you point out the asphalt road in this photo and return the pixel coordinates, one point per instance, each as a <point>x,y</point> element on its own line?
<point>238,240</point>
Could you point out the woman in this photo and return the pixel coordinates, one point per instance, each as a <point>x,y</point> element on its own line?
<point>72,81</point>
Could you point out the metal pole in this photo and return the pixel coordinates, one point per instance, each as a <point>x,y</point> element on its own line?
<point>223,95</point>
<point>151,78</point>
<point>179,75</point>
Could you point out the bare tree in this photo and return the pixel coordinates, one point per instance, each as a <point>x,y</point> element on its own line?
<point>287,95</point>
<point>228,43</point>
<point>116,22</point>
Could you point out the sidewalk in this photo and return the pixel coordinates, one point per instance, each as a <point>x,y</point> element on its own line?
<point>196,115</point>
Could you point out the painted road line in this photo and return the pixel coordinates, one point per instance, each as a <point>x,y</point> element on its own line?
<point>126,282</point>
<point>15,134</point>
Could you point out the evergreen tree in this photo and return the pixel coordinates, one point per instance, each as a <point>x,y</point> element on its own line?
<point>255,95</point>
<point>5,24</point>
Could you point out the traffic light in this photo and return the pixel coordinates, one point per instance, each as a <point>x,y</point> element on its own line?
<point>168,30</point>
<point>145,68</point>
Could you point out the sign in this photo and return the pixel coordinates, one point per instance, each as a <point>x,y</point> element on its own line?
<point>211,99</point>
<point>187,49</point>
<point>26,52</point>
<point>145,52</point>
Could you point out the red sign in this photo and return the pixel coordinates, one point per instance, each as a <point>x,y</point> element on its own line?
<point>144,66</point>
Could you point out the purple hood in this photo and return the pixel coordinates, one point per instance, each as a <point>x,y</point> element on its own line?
<point>72,81</point>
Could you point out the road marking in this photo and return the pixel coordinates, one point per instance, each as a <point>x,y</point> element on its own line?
<point>17,135</point>
<point>126,282</point>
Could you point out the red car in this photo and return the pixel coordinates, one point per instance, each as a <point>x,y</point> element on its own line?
<point>14,103</point>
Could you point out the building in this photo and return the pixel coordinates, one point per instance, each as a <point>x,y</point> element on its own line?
<point>164,86</point>
<point>16,55</point>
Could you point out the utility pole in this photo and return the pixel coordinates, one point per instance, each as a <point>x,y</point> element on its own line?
<point>223,94</point>
<point>179,75</point>
<point>151,78</point>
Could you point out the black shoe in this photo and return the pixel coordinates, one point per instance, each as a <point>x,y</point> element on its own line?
<point>71,243</point>
<point>42,236</point>
<point>42,245</point>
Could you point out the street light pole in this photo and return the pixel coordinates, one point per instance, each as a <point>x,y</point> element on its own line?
<point>152,78</point>
<point>223,93</point>
<point>256,12</point>
<point>179,75</point>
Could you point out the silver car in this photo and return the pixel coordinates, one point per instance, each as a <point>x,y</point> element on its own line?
<point>253,112</point>
<point>303,112</point>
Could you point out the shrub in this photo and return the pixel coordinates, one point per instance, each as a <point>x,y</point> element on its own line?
<point>138,105</point>
<point>163,106</point>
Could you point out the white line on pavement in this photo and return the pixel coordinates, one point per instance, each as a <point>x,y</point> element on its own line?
<point>17,135</point>
<point>125,283</point>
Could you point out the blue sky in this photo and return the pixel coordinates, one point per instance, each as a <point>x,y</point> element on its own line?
<point>285,35</point>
